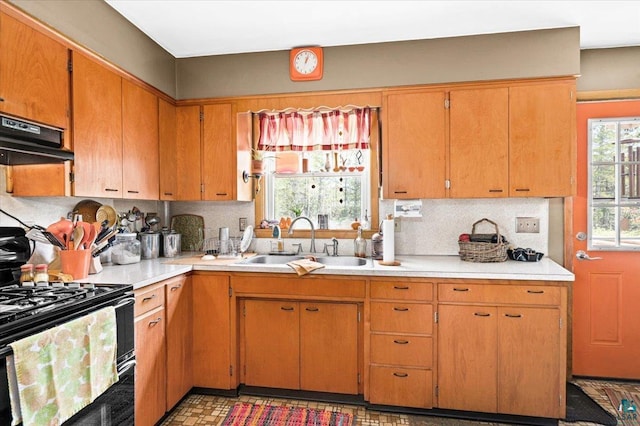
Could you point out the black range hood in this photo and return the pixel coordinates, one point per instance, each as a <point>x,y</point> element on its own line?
<point>23,142</point>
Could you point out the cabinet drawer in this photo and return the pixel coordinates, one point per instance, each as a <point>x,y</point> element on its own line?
<point>148,299</point>
<point>396,349</point>
<point>401,290</point>
<point>407,387</point>
<point>398,317</point>
<point>481,293</point>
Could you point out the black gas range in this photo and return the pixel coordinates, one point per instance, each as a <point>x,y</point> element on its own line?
<point>27,310</point>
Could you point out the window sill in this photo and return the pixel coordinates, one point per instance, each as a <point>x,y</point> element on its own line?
<point>319,233</point>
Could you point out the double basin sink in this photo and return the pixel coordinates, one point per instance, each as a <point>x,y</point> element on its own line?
<point>276,259</point>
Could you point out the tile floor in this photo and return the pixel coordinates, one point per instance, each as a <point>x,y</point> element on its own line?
<point>211,410</point>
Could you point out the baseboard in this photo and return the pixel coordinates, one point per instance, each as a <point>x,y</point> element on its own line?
<point>327,397</point>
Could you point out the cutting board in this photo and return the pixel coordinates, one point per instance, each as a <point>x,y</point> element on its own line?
<point>191,227</point>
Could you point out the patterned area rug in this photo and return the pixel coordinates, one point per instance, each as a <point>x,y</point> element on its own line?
<point>242,414</point>
<point>627,404</point>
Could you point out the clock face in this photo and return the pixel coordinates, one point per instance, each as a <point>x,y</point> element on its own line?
<point>305,62</point>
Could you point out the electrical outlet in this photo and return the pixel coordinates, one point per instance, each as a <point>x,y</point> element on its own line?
<point>396,224</point>
<point>242,223</point>
<point>527,225</point>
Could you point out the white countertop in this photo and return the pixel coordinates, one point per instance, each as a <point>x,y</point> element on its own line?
<point>151,271</point>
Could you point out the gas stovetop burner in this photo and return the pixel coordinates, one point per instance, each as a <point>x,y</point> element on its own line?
<point>19,302</point>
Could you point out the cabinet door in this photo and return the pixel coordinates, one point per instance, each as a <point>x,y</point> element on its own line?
<point>271,344</point>
<point>218,154</point>
<point>150,367</point>
<point>414,145</point>
<point>179,339</point>
<point>542,127</point>
<point>34,74</point>
<point>139,143</point>
<point>211,333</point>
<point>168,151</point>
<point>530,367</point>
<point>479,143</point>
<point>329,347</point>
<point>188,176</point>
<point>97,129</point>
<point>467,358</point>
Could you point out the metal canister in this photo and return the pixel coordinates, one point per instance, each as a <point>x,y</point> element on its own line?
<point>149,245</point>
<point>172,244</point>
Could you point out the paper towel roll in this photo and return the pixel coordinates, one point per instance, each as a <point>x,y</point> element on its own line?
<point>388,248</point>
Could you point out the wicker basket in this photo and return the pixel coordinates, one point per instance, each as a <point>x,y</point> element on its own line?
<point>471,251</point>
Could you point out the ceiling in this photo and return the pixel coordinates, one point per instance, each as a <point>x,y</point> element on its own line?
<point>189,28</point>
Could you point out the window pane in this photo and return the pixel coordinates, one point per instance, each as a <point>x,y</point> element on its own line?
<point>340,197</point>
<point>630,226</point>
<point>603,142</point>
<point>603,185</point>
<point>629,168</point>
<point>603,226</point>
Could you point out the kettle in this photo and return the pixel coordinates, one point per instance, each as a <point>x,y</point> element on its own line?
<point>376,244</point>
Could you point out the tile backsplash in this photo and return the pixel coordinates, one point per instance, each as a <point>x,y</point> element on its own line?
<point>435,233</point>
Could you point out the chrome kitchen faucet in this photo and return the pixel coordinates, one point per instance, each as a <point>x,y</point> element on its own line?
<point>312,249</point>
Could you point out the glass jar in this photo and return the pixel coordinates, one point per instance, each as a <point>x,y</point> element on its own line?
<point>41,276</point>
<point>26,275</point>
<point>126,249</point>
<point>360,245</point>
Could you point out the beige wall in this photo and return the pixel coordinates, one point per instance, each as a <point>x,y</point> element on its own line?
<point>485,57</point>
<point>610,69</point>
<point>96,25</point>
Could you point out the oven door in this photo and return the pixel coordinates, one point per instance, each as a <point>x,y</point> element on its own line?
<point>115,406</point>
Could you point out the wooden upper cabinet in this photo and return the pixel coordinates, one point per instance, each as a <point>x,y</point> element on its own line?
<point>168,150</point>
<point>414,145</point>
<point>34,74</point>
<point>140,174</point>
<point>542,126</point>
<point>218,154</point>
<point>479,143</point>
<point>187,155</point>
<point>97,129</point>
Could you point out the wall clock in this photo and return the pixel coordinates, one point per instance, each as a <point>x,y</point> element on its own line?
<point>306,63</point>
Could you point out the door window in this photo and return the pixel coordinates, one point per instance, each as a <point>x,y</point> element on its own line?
<point>614,184</point>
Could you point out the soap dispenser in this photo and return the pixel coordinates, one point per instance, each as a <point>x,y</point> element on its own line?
<point>278,234</point>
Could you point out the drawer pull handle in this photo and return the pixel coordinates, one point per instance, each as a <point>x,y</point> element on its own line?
<point>154,322</point>
<point>403,375</point>
<point>482,314</point>
<point>495,190</point>
<point>175,287</point>
<point>111,190</point>
<point>397,287</point>
<point>460,289</point>
<point>401,342</point>
<point>312,309</point>
<point>148,298</point>
<point>513,315</point>
<point>535,291</point>
<point>168,193</point>
<point>287,308</point>
<point>399,192</point>
<point>131,191</point>
<point>400,309</point>
<point>522,189</point>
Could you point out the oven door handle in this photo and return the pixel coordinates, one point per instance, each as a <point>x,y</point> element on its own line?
<point>125,302</point>
<point>126,366</point>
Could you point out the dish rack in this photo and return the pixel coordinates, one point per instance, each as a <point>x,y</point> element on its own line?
<point>224,248</point>
<point>480,251</point>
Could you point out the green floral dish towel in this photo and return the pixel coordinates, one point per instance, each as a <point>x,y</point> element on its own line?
<point>55,373</point>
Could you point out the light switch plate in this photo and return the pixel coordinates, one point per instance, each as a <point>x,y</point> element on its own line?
<point>242,223</point>
<point>527,225</point>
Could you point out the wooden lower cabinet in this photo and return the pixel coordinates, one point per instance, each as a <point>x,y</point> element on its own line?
<point>401,343</point>
<point>179,338</point>
<point>508,358</point>
<point>301,345</point>
<point>211,356</point>
<point>149,329</point>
